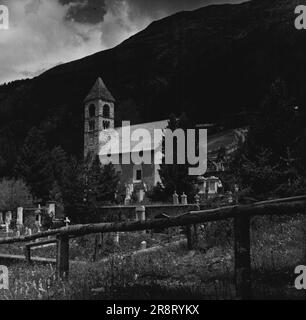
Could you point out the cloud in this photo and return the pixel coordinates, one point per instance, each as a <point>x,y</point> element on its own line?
<point>85,11</point>
<point>40,35</point>
<point>44,33</point>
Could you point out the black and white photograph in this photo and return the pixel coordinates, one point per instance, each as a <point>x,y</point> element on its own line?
<point>152,153</point>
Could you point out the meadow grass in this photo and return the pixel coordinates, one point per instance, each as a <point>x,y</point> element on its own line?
<point>174,272</point>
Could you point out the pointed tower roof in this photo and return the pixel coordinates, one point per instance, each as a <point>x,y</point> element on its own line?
<point>99,91</point>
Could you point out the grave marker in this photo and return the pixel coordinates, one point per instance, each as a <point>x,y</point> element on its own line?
<point>8,217</point>
<point>184,199</point>
<point>175,198</point>
<point>20,216</point>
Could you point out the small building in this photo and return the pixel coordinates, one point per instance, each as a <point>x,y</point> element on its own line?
<point>210,185</point>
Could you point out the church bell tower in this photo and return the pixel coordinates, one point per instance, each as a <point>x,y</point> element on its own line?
<point>99,117</point>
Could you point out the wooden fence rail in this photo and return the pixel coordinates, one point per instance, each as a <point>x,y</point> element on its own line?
<point>241,214</point>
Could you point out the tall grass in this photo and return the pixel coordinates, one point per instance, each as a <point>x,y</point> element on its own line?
<point>278,246</point>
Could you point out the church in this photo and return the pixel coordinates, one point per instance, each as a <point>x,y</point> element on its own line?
<point>99,122</point>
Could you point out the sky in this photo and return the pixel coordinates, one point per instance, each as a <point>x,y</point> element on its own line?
<point>46,33</point>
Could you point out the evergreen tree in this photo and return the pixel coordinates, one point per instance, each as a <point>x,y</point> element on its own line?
<point>73,191</point>
<point>33,165</point>
<point>109,184</point>
<point>58,158</point>
<point>13,194</point>
<point>93,179</point>
<point>175,177</point>
<point>102,183</point>
<point>269,163</point>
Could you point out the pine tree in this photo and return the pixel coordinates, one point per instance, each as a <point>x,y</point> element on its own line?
<point>73,191</point>
<point>58,158</point>
<point>102,183</point>
<point>268,163</point>
<point>13,194</point>
<point>33,165</point>
<point>109,184</point>
<point>175,177</point>
<point>93,180</point>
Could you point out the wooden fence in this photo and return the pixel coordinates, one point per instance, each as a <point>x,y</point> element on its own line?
<point>241,215</point>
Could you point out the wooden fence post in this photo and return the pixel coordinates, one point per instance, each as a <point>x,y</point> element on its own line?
<point>242,256</point>
<point>62,259</point>
<point>27,253</point>
<point>192,234</point>
<point>141,215</point>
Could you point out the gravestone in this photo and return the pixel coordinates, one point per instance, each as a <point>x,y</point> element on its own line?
<point>7,227</point>
<point>127,201</point>
<point>143,245</point>
<point>175,198</point>
<point>51,209</point>
<point>141,195</point>
<point>8,217</point>
<point>184,199</point>
<point>20,216</point>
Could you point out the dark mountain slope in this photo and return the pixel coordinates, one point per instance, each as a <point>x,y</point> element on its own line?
<point>213,63</point>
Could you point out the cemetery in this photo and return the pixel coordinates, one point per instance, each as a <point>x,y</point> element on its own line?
<point>163,256</point>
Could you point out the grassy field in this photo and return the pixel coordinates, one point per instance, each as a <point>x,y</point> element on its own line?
<point>278,246</point>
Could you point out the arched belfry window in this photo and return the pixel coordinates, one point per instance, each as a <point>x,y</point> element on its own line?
<point>92,111</point>
<point>106,111</point>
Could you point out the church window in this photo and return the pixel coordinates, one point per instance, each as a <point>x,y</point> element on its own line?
<point>92,111</point>
<point>137,173</point>
<point>92,125</point>
<point>106,111</point>
<point>106,125</point>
